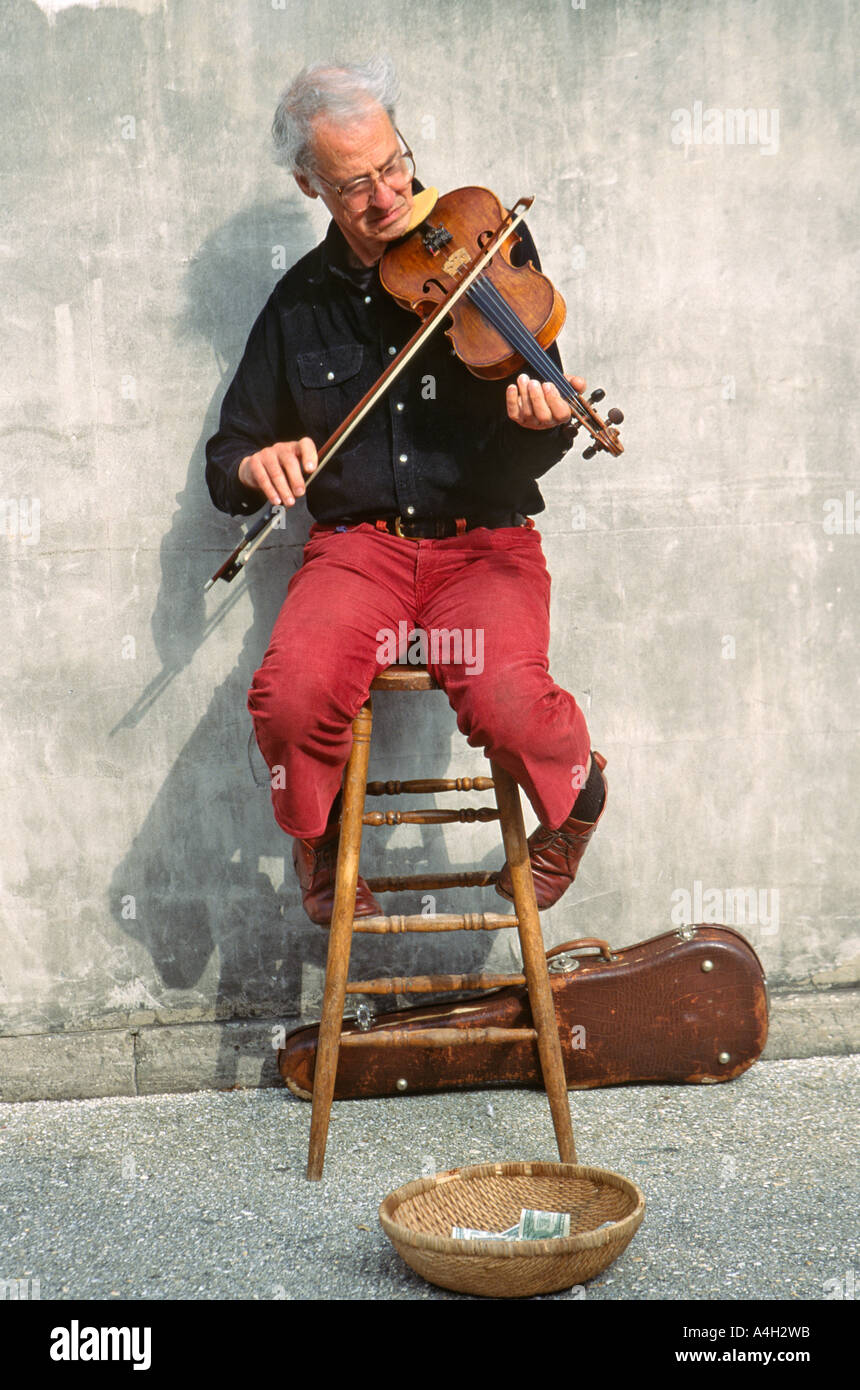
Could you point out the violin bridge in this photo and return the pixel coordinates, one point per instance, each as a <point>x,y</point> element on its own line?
<point>456,261</point>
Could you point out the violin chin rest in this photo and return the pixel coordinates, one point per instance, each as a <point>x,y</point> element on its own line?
<point>422,205</point>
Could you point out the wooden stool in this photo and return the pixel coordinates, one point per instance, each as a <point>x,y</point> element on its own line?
<point>527,921</point>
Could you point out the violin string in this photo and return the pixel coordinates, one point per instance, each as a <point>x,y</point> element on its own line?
<point>502,317</point>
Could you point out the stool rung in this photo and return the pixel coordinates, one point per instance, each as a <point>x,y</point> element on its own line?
<point>475,879</point>
<point>443,921</point>
<point>420,785</point>
<point>438,1037</point>
<point>431,984</point>
<point>432,816</point>
<point>543,1035</point>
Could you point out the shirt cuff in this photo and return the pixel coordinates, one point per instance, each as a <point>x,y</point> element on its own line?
<point>245,500</point>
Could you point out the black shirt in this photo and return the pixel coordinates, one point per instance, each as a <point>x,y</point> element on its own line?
<point>439,443</point>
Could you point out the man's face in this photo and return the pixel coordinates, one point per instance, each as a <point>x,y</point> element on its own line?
<point>344,153</point>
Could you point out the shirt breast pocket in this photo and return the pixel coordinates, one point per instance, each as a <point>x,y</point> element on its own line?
<point>329,386</point>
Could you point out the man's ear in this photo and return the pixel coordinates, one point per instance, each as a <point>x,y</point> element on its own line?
<point>307,188</point>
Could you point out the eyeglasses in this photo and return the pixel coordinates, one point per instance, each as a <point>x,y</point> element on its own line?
<point>356,194</point>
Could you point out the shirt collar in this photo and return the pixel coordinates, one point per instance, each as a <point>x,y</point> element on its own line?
<point>336,256</point>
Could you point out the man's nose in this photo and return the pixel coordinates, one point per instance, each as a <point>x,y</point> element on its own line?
<point>383,196</point>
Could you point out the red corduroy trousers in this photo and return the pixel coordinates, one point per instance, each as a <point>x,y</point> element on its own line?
<point>481,601</point>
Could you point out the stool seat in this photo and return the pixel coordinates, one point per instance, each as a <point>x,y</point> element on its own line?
<point>404,677</point>
<point>526,921</point>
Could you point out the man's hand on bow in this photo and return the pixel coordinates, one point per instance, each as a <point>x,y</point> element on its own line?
<point>538,405</point>
<point>277,471</point>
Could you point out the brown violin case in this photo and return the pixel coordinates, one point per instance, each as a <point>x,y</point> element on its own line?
<point>688,1006</point>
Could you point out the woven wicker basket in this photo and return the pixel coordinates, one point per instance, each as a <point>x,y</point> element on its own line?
<point>418,1218</point>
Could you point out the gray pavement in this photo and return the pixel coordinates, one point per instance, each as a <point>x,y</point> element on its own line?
<point>750,1186</point>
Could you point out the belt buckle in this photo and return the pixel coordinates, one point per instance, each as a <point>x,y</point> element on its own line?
<point>398,529</point>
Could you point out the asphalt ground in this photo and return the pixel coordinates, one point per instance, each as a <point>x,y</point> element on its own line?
<point>750,1186</point>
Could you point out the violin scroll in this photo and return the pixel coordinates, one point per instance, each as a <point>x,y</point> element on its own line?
<point>604,435</point>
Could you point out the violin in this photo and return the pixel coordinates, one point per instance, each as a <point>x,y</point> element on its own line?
<point>458,268</point>
<point>507,307</point>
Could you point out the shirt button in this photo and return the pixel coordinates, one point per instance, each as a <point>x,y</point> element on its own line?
<point>329,376</point>
<point>368,299</point>
<point>399,405</point>
<point>403,458</point>
<point>392,351</point>
<point>410,511</point>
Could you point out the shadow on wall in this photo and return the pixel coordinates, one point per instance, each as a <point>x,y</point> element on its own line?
<point>203,867</point>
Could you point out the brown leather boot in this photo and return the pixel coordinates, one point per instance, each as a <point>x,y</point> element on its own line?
<point>315,862</point>
<point>555,854</point>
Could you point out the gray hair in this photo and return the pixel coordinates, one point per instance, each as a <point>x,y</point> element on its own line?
<point>339,91</point>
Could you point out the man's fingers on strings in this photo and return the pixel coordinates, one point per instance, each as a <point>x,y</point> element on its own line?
<point>523,400</point>
<point>539,404</point>
<point>559,409</point>
<point>543,400</point>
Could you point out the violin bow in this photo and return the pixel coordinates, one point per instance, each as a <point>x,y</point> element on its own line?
<point>261,528</point>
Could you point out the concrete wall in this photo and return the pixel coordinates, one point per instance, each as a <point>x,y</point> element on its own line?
<point>705,584</point>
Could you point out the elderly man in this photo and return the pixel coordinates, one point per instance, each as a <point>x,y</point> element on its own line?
<point>423,520</point>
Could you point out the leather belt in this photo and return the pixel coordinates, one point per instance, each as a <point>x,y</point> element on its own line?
<point>438,527</point>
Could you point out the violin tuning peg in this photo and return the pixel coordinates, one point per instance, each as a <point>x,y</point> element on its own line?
<point>596,396</point>
<point>615,416</point>
<point>590,452</point>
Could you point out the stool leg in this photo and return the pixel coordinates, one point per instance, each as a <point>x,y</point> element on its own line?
<point>534,959</point>
<point>340,939</point>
